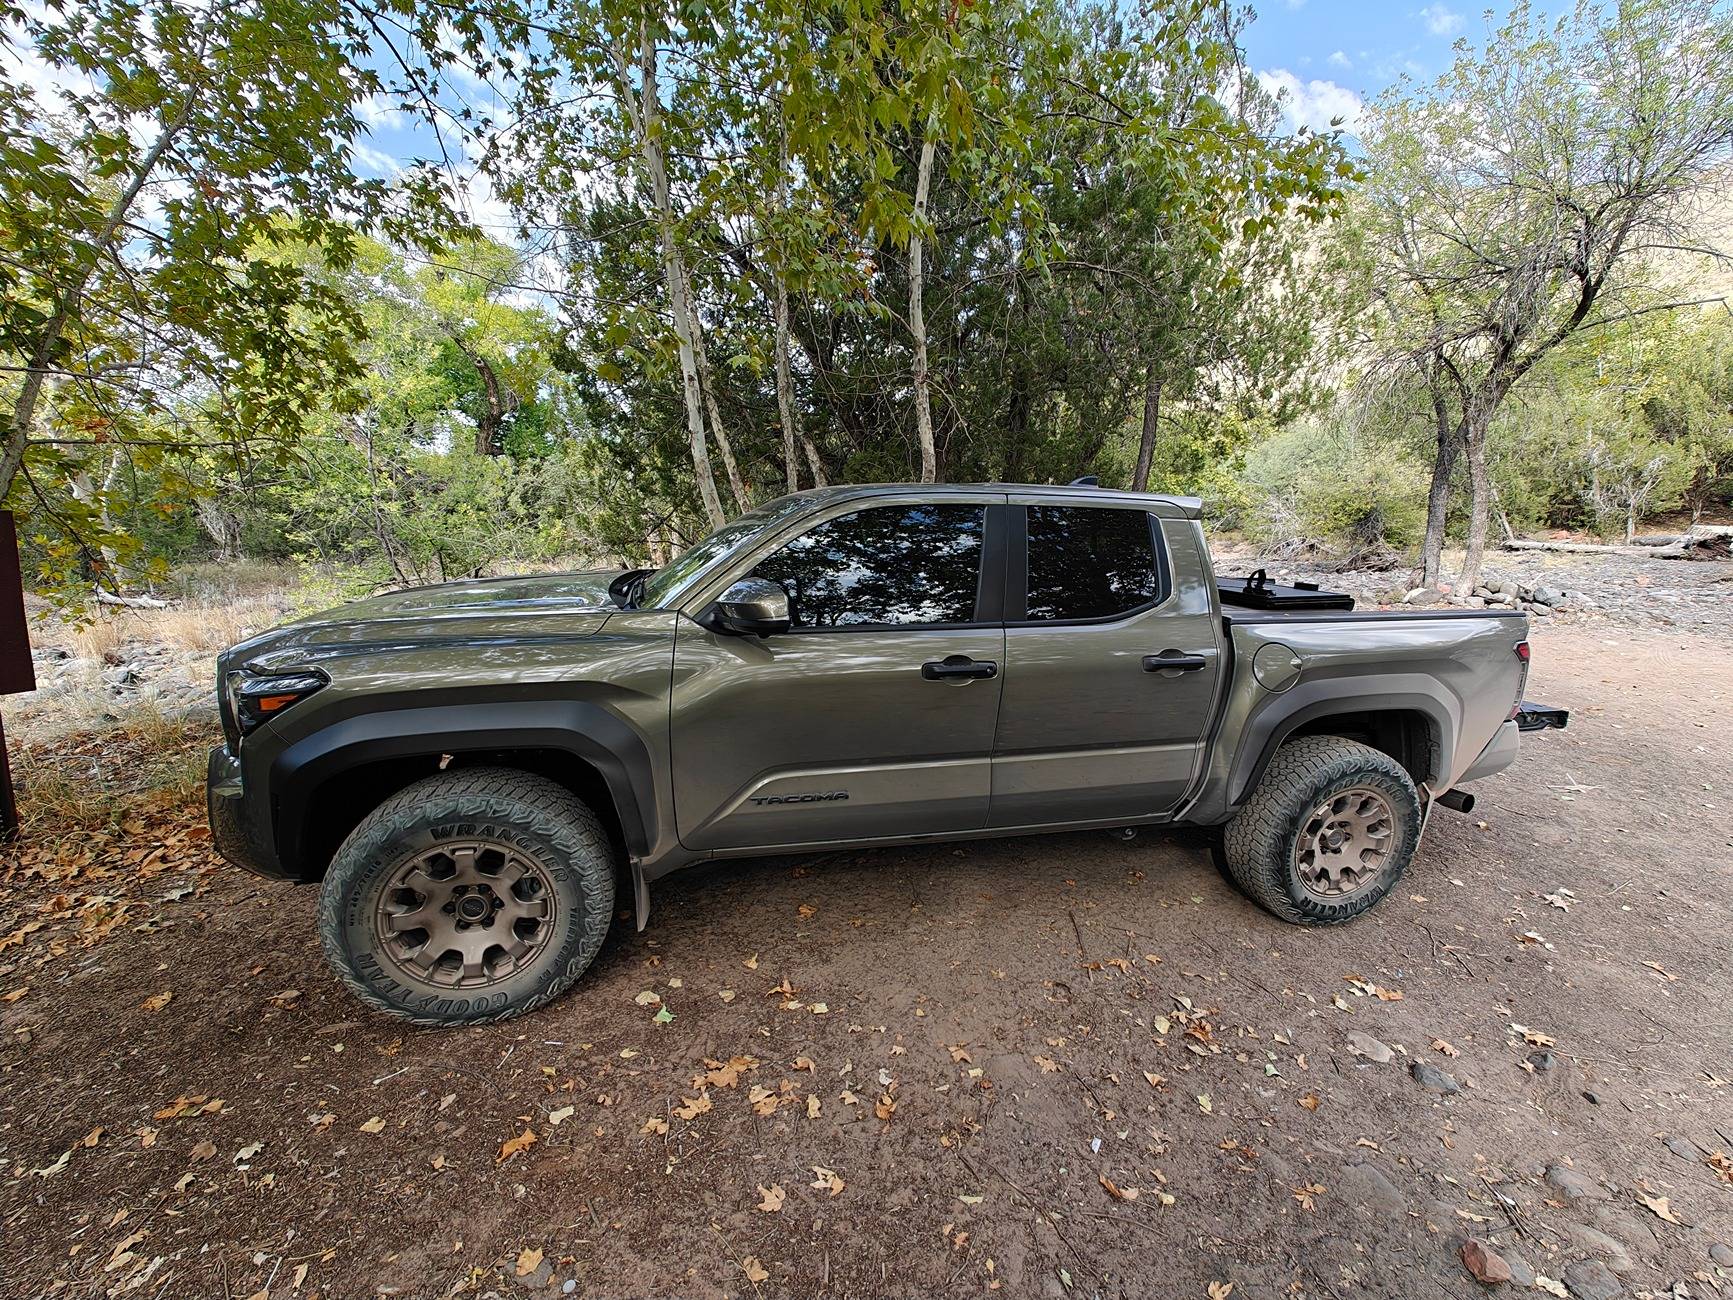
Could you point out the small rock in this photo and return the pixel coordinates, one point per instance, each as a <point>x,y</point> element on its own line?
<point>1571,1185</point>
<point>1542,1061</point>
<point>1609,1248</point>
<point>1429,1076</point>
<point>1722,1254</point>
<point>1591,1280</point>
<point>1684,1148</point>
<point>1423,596</point>
<point>1369,1047</point>
<point>1521,1271</point>
<point>1484,1262</point>
<point>1592,1097</point>
<point>1548,595</point>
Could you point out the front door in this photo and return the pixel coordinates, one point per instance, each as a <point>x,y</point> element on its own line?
<point>1110,671</point>
<point>873,716</point>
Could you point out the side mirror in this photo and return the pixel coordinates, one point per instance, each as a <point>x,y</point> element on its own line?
<point>751,607</point>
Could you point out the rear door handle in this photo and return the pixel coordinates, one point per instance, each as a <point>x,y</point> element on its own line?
<point>1173,661</point>
<point>953,667</point>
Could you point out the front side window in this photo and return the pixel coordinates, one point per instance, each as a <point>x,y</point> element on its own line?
<point>666,585</point>
<point>889,565</point>
<point>1090,562</point>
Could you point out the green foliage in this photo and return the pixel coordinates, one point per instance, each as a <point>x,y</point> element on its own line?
<point>1329,478</point>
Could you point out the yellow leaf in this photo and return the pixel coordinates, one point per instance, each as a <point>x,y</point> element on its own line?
<point>1154,1080</point>
<point>374,1125</point>
<point>1220,1290</point>
<point>512,1146</point>
<point>755,1272</point>
<point>654,1125</point>
<point>771,1198</point>
<point>1660,1207</point>
<point>1048,1064</point>
<point>693,1107</point>
<point>157,1001</point>
<point>812,1106</point>
<point>1310,1101</point>
<point>529,1259</point>
<point>827,1180</point>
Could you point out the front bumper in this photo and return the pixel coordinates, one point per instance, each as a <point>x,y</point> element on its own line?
<point>238,829</point>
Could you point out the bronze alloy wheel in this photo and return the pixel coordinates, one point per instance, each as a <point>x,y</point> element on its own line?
<point>468,914</point>
<point>1345,842</point>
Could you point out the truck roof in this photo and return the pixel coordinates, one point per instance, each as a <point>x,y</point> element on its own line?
<point>1185,507</point>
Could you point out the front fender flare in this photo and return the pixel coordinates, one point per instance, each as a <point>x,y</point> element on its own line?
<point>581,728</point>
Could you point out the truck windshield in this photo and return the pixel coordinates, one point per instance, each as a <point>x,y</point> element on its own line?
<point>668,584</point>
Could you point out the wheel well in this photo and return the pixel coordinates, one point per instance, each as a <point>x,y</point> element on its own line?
<point>343,800</point>
<point>1407,735</point>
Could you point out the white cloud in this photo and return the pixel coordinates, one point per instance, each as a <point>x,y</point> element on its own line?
<point>1441,20</point>
<point>1340,60</point>
<point>1312,103</point>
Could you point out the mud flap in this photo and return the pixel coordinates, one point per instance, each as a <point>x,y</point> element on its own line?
<point>640,895</point>
<point>1427,799</point>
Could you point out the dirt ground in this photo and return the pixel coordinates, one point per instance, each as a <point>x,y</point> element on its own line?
<point>1064,1066</point>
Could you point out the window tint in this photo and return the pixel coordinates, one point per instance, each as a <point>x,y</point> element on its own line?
<point>1090,563</point>
<point>892,564</point>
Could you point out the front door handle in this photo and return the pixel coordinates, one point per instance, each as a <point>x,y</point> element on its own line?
<point>1173,661</point>
<point>955,667</point>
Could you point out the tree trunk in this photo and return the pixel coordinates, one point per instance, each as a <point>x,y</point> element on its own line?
<point>918,321</point>
<point>812,461</point>
<point>707,380</point>
<point>644,107</point>
<point>1476,427</point>
<point>1449,443</point>
<point>1146,443</point>
<point>785,385</point>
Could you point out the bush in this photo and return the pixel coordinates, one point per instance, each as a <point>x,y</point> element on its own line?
<point>1330,480</point>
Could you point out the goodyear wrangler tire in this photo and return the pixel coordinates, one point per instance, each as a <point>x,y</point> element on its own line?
<point>471,896</point>
<point>1327,833</point>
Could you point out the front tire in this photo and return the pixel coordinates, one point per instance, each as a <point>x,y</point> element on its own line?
<point>469,897</point>
<point>1328,831</point>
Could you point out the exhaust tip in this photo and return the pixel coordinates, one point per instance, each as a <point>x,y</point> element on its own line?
<point>1459,800</point>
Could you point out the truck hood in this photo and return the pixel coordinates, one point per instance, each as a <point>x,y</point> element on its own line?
<point>512,610</point>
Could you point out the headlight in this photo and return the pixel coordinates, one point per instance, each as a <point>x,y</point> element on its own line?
<point>253,698</point>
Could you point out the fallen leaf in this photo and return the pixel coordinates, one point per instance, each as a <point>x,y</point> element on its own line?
<point>374,1125</point>
<point>1154,1080</point>
<point>529,1260</point>
<point>1048,1064</point>
<point>1305,1195</point>
<point>1117,1192</point>
<point>1659,1206</point>
<point>885,1107</point>
<point>1220,1290</point>
<point>1310,1101</point>
<point>204,1150</point>
<point>647,998</point>
<point>813,1105</point>
<point>1205,1104</point>
<point>693,1107</point>
<point>1661,970</point>
<point>1440,1045</point>
<point>249,1151</point>
<point>157,1001</point>
<point>771,1198</point>
<point>807,911</point>
<point>300,1277</point>
<point>804,1063</point>
<point>1484,1262</point>
<point>827,1180</point>
<point>751,963</point>
<point>560,1116</point>
<point>727,995</point>
<point>512,1146</point>
<point>755,1272</point>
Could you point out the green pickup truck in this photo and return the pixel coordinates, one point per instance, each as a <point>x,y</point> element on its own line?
<point>476,770</point>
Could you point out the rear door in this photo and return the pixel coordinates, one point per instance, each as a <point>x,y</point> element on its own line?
<point>873,716</point>
<point>1110,672</point>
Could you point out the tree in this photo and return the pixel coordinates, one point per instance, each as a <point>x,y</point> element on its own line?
<point>181,140</point>
<point>1525,200</point>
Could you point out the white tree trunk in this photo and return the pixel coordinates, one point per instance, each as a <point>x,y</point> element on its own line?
<point>918,321</point>
<point>644,108</point>
<point>707,380</point>
<point>785,385</point>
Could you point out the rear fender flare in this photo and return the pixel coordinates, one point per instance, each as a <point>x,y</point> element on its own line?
<point>1268,729</point>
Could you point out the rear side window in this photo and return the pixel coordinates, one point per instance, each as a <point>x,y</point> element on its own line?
<point>890,565</point>
<point>1090,562</point>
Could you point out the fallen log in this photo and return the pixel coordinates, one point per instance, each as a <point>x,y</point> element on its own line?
<point>1707,545</point>
<point>129,602</point>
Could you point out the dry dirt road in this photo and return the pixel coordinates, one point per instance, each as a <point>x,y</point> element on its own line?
<point>921,1072</point>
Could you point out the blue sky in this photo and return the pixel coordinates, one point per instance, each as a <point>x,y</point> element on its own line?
<point>1327,57</point>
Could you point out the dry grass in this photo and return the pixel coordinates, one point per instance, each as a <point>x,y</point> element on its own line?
<point>83,778</point>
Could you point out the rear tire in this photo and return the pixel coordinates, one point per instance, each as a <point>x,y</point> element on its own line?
<point>469,897</point>
<point>1328,831</point>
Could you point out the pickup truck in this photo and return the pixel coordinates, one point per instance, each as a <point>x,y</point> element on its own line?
<point>475,770</point>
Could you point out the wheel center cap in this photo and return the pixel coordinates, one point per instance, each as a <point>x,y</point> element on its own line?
<point>472,907</point>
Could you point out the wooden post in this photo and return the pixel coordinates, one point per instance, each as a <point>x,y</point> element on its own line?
<point>17,672</point>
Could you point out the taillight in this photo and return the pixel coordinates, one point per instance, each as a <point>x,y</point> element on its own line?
<point>1521,679</point>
